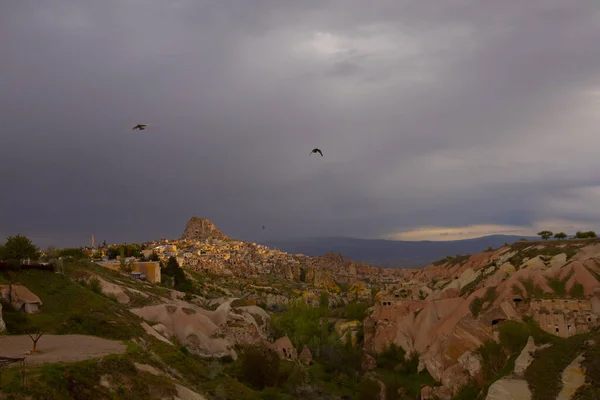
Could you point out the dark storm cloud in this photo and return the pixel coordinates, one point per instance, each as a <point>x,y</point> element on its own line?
<point>436,113</point>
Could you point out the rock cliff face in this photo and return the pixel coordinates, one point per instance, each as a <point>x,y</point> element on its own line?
<point>448,309</point>
<point>202,229</point>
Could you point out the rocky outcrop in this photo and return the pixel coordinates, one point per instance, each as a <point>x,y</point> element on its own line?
<point>573,377</point>
<point>368,362</point>
<point>436,393</point>
<point>447,310</point>
<point>509,389</point>
<point>305,356</point>
<point>203,332</point>
<point>193,330</point>
<point>525,358</point>
<point>471,362</point>
<point>112,289</point>
<point>345,328</point>
<point>202,229</point>
<point>285,349</point>
<point>21,298</point>
<point>2,324</point>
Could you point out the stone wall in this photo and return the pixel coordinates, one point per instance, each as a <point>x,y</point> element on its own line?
<point>564,317</point>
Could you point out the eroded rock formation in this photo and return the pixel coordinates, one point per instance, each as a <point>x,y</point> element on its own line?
<point>202,229</point>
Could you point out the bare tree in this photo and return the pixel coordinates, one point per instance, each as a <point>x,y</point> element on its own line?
<point>34,339</point>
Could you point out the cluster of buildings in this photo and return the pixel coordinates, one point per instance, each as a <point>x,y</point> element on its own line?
<point>217,256</point>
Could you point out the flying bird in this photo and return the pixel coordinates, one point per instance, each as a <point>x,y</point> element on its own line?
<point>140,127</point>
<point>317,151</point>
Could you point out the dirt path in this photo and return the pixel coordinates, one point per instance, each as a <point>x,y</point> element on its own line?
<point>59,348</point>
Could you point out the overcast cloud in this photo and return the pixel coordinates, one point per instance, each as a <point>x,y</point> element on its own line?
<point>438,119</point>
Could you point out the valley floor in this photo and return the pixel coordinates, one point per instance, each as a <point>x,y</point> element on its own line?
<point>59,348</point>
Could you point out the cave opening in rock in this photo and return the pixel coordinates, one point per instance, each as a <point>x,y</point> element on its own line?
<point>497,321</point>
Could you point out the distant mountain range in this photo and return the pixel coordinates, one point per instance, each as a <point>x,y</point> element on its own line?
<point>392,253</point>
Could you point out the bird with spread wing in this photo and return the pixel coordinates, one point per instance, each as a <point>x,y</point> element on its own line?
<point>140,127</point>
<point>317,151</point>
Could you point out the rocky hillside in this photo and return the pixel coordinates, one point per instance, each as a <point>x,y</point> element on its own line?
<point>451,310</point>
<point>231,320</point>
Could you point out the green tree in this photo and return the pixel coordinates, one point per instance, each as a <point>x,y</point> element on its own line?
<point>72,252</point>
<point>260,366</point>
<point>19,247</point>
<point>324,300</point>
<point>585,235</point>
<point>122,263</point>
<point>560,235</point>
<point>545,234</point>
<point>180,282</point>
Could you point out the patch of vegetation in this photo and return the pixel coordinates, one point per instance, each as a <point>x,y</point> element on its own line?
<point>591,363</point>
<point>95,285</point>
<point>548,251</point>
<point>516,290</point>
<point>544,373</point>
<point>399,386</point>
<point>577,291</point>
<point>356,311</point>
<point>494,358</point>
<point>369,389</point>
<point>90,313</point>
<point>559,285</point>
<point>81,380</point>
<point>498,359</point>
<point>514,335</point>
<point>532,289</point>
<point>457,259</point>
<point>471,391</point>
<point>471,286</point>
<point>476,305</point>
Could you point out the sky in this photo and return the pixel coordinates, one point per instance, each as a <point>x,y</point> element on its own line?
<point>438,119</point>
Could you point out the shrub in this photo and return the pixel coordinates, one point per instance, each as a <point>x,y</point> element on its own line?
<point>390,357</point>
<point>494,359</point>
<point>356,310</point>
<point>577,291</point>
<point>260,366</point>
<point>513,335</point>
<point>476,305</point>
<point>543,375</point>
<point>369,389</point>
<point>95,285</point>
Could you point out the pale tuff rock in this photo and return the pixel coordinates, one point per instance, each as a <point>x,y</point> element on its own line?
<point>471,362</point>
<point>305,356</point>
<point>21,298</point>
<point>509,389</point>
<point>285,349</point>
<point>202,229</point>
<point>573,377</point>
<point>151,331</point>
<point>467,277</point>
<point>111,289</point>
<point>183,393</point>
<point>525,358</point>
